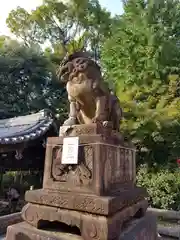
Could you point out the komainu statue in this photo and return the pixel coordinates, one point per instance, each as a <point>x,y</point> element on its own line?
<point>90,99</point>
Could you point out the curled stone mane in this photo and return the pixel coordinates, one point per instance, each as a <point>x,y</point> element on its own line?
<point>74,64</point>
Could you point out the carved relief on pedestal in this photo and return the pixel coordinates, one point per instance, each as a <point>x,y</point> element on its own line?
<point>36,214</point>
<point>118,165</point>
<point>91,226</point>
<point>78,130</point>
<point>89,204</point>
<point>94,229</point>
<point>77,175</point>
<point>30,215</point>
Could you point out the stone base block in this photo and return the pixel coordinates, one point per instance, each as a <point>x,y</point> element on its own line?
<point>103,168</point>
<point>91,226</point>
<point>85,129</point>
<point>139,229</point>
<point>9,219</point>
<point>102,205</point>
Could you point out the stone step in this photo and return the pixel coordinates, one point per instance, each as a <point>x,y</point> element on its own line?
<point>169,231</point>
<point>166,238</point>
<point>7,220</point>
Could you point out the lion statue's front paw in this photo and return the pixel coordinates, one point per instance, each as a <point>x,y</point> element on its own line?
<point>107,124</point>
<point>96,120</point>
<point>70,121</point>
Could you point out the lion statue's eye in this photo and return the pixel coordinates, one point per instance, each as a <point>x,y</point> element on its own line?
<point>81,67</point>
<point>79,61</point>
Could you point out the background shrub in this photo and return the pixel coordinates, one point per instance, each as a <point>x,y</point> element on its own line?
<point>163,186</point>
<point>21,180</point>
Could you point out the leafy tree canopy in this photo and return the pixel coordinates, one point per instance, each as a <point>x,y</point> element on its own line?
<point>142,58</point>
<point>27,80</point>
<point>78,23</point>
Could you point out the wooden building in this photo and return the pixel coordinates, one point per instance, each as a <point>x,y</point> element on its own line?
<point>23,139</point>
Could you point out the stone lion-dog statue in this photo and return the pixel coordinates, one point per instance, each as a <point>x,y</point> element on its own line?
<point>90,99</point>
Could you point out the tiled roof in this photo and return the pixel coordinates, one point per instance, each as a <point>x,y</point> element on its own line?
<point>25,128</point>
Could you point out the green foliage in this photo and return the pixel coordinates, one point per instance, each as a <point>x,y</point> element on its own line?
<point>22,180</point>
<point>28,74</point>
<point>144,44</point>
<point>163,187</point>
<point>142,59</point>
<point>62,23</point>
<point>27,80</point>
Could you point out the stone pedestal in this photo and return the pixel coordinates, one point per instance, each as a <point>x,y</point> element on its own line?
<point>98,196</point>
<point>140,229</point>
<point>103,166</point>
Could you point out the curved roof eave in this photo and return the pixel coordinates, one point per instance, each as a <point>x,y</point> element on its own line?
<point>25,128</point>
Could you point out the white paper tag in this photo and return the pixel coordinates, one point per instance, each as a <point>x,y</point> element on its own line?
<point>70,150</point>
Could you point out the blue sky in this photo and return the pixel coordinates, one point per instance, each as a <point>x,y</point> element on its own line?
<point>114,6</point>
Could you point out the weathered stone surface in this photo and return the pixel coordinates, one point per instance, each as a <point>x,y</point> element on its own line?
<point>24,231</point>
<point>85,129</point>
<point>94,129</point>
<point>138,229</point>
<point>103,227</point>
<point>103,168</point>
<point>97,195</point>
<point>90,99</point>
<point>141,229</point>
<point>85,202</point>
<point>10,219</point>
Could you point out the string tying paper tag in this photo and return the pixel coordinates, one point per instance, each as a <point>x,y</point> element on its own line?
<point>99,143</point>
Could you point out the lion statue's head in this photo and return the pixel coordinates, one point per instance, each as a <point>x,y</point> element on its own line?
<point>79,66</point>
